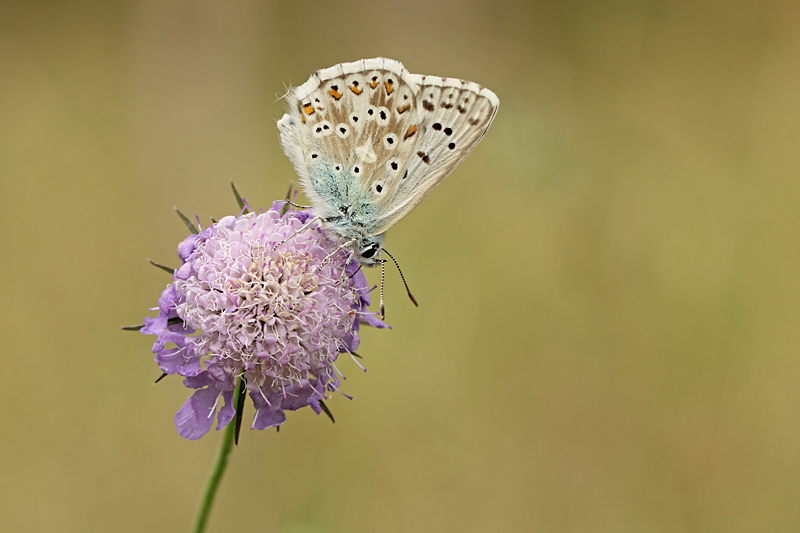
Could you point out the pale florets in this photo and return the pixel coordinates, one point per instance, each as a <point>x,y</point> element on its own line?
<point>272,304</point>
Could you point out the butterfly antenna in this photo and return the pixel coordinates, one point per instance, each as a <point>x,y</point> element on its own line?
<point>383,276</point>
<point>414,300</point>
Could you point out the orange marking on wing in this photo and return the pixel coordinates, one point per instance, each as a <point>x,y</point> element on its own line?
<point>308,109</point>
<point>403,109</point>
<point>373,83</point>
<point>336,94</point>
<point>411,131</point>
<point>356,89</point>
<point>389,88</point>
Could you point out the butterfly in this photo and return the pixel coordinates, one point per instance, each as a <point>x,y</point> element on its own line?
<point>370,140</point>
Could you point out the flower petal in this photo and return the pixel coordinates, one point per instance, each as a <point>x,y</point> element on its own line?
<point>194,418</point>
<point>227,411</point>
<point>198,381</point>
<point>265,418</point>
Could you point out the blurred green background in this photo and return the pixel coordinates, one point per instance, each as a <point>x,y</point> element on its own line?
<point>607,338</point>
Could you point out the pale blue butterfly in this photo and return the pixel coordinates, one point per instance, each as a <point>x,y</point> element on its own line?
<point>370,140</point>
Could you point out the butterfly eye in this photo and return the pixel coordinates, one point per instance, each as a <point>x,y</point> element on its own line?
<point>383,116</point>
<point>390,141</point>
<point>342,130</point>
<point>370,250</point>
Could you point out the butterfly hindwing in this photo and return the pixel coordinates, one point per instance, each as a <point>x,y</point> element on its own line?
<point>341,132</point>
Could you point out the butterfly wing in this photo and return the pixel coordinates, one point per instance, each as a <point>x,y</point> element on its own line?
<point>370,140</point>
<point>451,116</point>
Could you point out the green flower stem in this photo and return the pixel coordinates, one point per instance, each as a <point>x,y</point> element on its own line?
<point>217,470</point>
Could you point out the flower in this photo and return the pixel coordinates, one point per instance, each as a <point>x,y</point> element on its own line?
<point>258,297</point>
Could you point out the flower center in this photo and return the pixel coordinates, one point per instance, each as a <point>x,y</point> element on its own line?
<point>278,316</point>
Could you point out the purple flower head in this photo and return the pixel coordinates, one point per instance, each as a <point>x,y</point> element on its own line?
<point>256,298</point>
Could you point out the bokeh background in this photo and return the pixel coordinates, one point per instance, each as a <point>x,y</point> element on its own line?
<point>607,338</point>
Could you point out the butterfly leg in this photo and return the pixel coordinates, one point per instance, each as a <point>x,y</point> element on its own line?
<point>348,243</point>
<point>347,262</point>
<point>305,226</point>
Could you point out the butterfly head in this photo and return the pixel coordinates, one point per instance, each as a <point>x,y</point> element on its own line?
<point>353,237</point>
<point>368,254</point>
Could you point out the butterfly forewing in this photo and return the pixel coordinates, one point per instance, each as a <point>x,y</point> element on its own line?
<point>370,140</point>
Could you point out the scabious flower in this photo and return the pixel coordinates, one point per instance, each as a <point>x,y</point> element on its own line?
<point>256,299</point>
